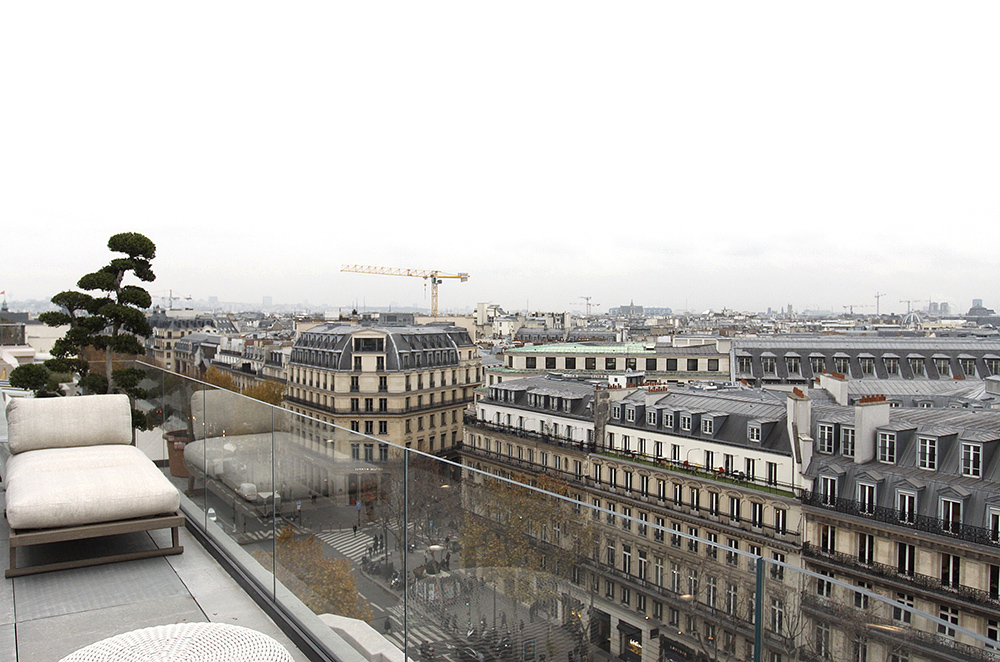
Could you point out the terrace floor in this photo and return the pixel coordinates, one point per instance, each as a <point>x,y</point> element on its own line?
<point>47,616</point>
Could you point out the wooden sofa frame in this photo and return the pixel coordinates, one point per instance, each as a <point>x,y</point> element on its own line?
<point>27,537</point>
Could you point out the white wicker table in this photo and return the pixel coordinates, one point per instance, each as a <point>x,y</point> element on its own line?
<point>185,642</point>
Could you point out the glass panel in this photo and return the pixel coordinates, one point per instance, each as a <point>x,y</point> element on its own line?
<point>511,560</point>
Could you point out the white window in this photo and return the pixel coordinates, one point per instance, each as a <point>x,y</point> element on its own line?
<point>651,418</point>
<point>927,453</point>
<point>777,616</point>
<point>951,515</point>
<point>630,414</point>
<point>906,506</point>
<point>903,615</point>
<point>828,489</point>
<point>780,520</point>
<point>825,441</point>
<point>668,420</point>
<point>887,447</point>
<point>847,441</point>
<point>753,432</point>
<point>866,498</point>
<point>707,424</point>
<point>949,614</point>
<point>972,460</point>
<point>685,422</point>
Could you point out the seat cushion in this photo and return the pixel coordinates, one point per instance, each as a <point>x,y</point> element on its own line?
<point>54,488</point>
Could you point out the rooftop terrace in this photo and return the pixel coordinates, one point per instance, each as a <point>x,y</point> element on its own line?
<point>48,616</point>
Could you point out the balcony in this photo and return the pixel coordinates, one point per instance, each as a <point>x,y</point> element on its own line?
<point>472,421</point>
<point>944,527</point>
<point>735,478</point>
<point>902,580</point>
<point>408,549</point>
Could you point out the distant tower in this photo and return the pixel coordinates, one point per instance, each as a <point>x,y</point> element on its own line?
<point>977,303</point>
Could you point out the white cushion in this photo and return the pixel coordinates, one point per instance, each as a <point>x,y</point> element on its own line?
<point>88,420</point>
<point>52,488</point>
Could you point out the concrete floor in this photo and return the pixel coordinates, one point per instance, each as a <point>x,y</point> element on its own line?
<point>45,617</point>
<point>48,616</point>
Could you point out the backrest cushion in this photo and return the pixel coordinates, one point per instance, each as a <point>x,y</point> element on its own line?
<point>86,420</point>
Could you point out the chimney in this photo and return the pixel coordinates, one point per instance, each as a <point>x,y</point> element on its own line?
<point>870,413</point>
<point>836,386</point>
<point>799,416</point>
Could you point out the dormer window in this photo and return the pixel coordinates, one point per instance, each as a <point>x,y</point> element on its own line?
<point>686,422</point>
<point>927,453</point>
<point>824,444</point>
<point>651,418</point>
<point>707,425</point>
<point>972,460</point>
<point>887,447</point>
<point>891,366</point>
<point>847,441</point>
<point>753,432</point>
<point>616,411</point>
<point>668,420</point>
<point>630,415</point>
<point>768,364</point>
<point>793,364</point>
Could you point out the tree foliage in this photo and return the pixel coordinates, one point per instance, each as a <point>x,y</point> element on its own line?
<point>37,378</point>
<point>268,390</point>
<point>112,320</point>
<point>526,538</point>
<point>330,584</point>
<point>216,377</point>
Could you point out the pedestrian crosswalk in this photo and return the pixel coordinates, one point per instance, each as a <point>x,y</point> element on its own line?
<point>420,629</point>
<point>353,546</point>
<point>260,535</point>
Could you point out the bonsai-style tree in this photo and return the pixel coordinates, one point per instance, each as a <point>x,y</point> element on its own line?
<point>112,321</point>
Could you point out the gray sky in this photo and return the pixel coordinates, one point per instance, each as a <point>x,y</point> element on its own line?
<point>698,155</point>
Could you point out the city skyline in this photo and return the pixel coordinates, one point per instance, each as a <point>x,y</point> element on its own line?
<point>691,157</point>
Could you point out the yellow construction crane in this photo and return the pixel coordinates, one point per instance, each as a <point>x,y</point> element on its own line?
<point>433,275</point>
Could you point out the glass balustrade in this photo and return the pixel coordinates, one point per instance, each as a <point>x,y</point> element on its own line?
<point>490,563</point>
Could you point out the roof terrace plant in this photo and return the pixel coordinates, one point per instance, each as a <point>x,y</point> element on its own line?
<point>107,316</point>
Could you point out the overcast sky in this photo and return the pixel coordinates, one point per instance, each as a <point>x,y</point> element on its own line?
<point>686,154</point>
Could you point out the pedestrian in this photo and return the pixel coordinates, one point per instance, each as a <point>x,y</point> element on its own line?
<point>355,527</point>
<point>388,624</point>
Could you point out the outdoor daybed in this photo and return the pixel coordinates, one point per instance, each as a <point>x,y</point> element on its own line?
<point>73,474</point>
